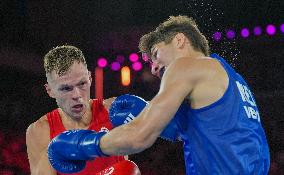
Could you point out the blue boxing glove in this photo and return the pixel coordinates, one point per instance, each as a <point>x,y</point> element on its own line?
<point>69,151</point>
<point>126,107</point>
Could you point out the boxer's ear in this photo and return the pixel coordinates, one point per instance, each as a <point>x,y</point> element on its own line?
<point>179,40</point>
<point>48,90</point>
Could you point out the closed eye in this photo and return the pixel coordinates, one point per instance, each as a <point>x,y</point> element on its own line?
<point>154,56</point>
<point>66,88</point>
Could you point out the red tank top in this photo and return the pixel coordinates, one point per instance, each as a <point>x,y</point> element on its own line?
<point>100,121</point>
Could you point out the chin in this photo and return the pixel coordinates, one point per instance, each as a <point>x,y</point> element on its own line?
<point>78,115</point>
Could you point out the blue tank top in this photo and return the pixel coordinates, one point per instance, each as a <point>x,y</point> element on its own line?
<point>226,137</point>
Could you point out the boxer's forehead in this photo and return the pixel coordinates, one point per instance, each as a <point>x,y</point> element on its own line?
<point>76,73</point>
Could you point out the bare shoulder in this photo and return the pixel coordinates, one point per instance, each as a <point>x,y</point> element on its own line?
<point>108,102</point>
<point>38,133</point>
<point>195,69</point>
<point>206,78</point>
<point>211,70</point>
<point>190,73</point>
<point>184,69</point>
<point>37,140</point>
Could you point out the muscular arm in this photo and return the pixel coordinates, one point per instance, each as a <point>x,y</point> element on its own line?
<point>142,132</point>
<point>37,139</point>
<point>107,103</point>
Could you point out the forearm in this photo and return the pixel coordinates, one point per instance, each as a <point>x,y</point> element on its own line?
<point>118,142</point>
<point>43,171</point>
<point>128,139</point>
<point>42,168</point>
<point>135,136</point>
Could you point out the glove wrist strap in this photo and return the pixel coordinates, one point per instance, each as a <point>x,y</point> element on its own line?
<point>97,143</point>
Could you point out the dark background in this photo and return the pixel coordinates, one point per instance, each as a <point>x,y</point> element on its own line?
<point>29,29</point>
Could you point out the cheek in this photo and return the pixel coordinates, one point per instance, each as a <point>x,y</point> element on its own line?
<point>86,94</point>
<point>169,54</point>
<point>163,55</point>
<point>88,89</point>
<point>63,100</point>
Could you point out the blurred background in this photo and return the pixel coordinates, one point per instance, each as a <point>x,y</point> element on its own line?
<point>249,34</point>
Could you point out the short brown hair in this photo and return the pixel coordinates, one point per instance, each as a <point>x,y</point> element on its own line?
<point>61,58</point>
<point>169,28</point>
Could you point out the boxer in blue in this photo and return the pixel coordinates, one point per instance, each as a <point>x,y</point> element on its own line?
<point>220,123</point>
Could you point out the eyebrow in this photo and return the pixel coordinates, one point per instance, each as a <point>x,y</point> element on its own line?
<point>67,85</point>
<point>81,81</point>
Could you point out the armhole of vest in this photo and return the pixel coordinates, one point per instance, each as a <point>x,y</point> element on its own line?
<point>228,71</point>
<point>226,93</point>
<point>50,123</point>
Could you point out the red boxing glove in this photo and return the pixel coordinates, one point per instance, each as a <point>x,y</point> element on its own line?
<point>125,167</point>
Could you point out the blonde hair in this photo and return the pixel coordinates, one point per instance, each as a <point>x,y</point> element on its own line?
<point>169,28</point>
<point>61,58</point>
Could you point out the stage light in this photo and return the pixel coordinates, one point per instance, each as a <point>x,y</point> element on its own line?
<point>270,29</point>
<point>133,57</point>
<point>115,66</point>
<point>217,36</point>
<point>137,66</point>
<point>230,34</point>
<point>282,28</point>
<point>245,32</point>
<point>99,85</point>
<point>102,62</point>
<point>257,30</point>
<point>125,76</point>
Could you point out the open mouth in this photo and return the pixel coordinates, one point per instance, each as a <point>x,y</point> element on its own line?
<point>77,108</point>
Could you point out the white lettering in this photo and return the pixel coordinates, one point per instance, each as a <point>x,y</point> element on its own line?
<point>252,113</point>
<point>247,112</point>
<point>249,97</point>
<point>108,171</point>
<point>242,91</point>
<point>246,94</point>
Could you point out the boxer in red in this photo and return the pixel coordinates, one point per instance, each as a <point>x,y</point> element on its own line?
<point>68,82</point>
